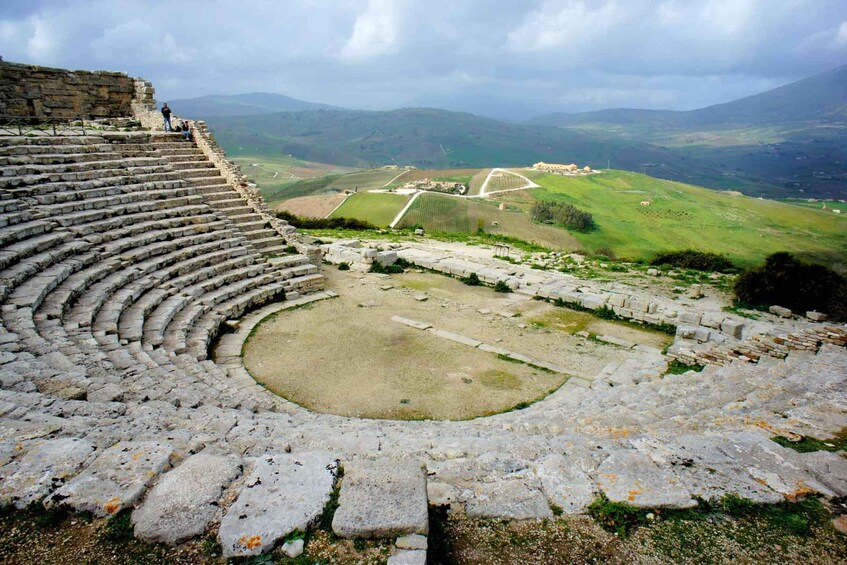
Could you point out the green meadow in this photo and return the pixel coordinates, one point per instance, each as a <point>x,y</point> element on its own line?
<point>681,216</point>
<point>375,207</point>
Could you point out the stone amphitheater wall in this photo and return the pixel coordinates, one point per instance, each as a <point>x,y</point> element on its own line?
<point>44,92</point>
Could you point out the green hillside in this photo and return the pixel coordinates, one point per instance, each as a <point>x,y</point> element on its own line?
<point>682,216</point>
<point>679,216</point>
<point>376,208</point>
<point>433,139</point>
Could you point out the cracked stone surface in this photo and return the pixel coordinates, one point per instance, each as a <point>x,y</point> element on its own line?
<point>185,500</point>
<point>115,480</point>
<point>44,469</point>
<point>282,493</point>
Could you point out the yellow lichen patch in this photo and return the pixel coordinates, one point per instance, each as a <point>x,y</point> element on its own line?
<point>618,433</point>
<point>112,506</point>
<point>802,491</point>
<point>777,431</point>
<point>251,542</point>
<point>632,494</point>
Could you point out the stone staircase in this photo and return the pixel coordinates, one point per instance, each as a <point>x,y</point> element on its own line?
<point>121,257</point>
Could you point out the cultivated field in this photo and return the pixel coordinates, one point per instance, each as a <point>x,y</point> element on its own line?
<point>819,205</point>
<point>682,216</point>
<point>439,213</point>
<point>377,208</point>
<point>364,180</point>
<point>275,175</point>
<point>316,206</point>
<point>504,180</point>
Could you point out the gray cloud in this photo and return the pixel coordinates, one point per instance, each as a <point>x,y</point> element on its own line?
<point>497,58</point>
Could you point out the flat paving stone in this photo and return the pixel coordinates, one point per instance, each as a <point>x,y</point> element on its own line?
<point>411,323</point>
<point>43,469</point>
<point>509,499</point>
<point>115,480</point>
<point>565,485</point>
<point>630,476</point>
<point>382,499</point>
<point>829,468</point>
<point>408,557</point>
<point>185,500</point>
<point>282,493</point>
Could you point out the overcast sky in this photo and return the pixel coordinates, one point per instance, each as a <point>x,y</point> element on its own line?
<point>509,58</point>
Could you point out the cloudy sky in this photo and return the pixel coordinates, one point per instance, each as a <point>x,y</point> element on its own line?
<point>508,58</point>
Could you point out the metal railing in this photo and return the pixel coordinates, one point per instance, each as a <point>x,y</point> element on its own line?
<point>31,125</point>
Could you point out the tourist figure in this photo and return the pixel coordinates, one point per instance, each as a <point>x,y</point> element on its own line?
<point>166,114</point>
<point>186,130</point>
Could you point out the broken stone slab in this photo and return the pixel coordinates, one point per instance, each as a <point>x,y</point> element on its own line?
<point>408,557</point>
<point>509,499</point>
<point>421,297</point>
<point>185,500</point>
<point>282,493</point>
<point>626,344</point>
<point>780,311</point>
<point>769,463</point>
<point>381,499</point>
<point>565,485</point>
<point>630,476</point>
<point>411,323</point>
<point>816,316</point>
<point>115,480</point>
<point>412,541</point>
<point>829,468</point>
<point>43,469</point>
<point>469,341</point>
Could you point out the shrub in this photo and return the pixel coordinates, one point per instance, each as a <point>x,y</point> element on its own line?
<point>693,259</point>
<point>501,286</point>
<point>471,280</point>
<point>789,282</point>
<point>605,252</point>
<point>616,517</point>
<point>343,266</point>
<point>324,223</point>
<point>562,214</point>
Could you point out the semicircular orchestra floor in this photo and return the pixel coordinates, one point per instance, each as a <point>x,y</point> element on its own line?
<point>353,356</point>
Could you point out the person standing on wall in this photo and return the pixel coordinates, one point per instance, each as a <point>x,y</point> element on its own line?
<point>166,114</point>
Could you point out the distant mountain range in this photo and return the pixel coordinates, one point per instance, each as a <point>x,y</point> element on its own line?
<point>820,98</point>
<point>789,141</point>
<point>217,105</point>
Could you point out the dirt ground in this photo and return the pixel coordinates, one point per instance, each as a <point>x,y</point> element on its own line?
<point>318,206</point>
<point>346,356</point>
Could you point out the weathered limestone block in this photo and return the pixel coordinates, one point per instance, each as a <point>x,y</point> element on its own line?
<point>780,311</point>
<point>386,258</point>
<point>564,484</point>
<point>816,316</point>
<point>692,318</point>
<point>732,328</point>
<point>115,480</point>
<point>382,498</point>
<point>509,499</point>
<point>185,500</point>
<point>693,332</point>
<point>592,301</point>
<point>43,469</point>
<point>630,476</point>
<point>711,320</point>
<point>408,557</point>
<point>282,493</point>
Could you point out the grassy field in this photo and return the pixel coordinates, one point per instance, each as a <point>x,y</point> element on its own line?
<point>276,175</point>
<point>683,216</point>
<point>365,180</point>
<point>819,204</point>
<point>376,208</point>
<point>439,213</point>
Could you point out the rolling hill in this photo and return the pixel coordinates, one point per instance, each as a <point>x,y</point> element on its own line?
<point>787,142</point>
<point>251,104</point>
<point>430,138</point>
<point>820,98</point>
